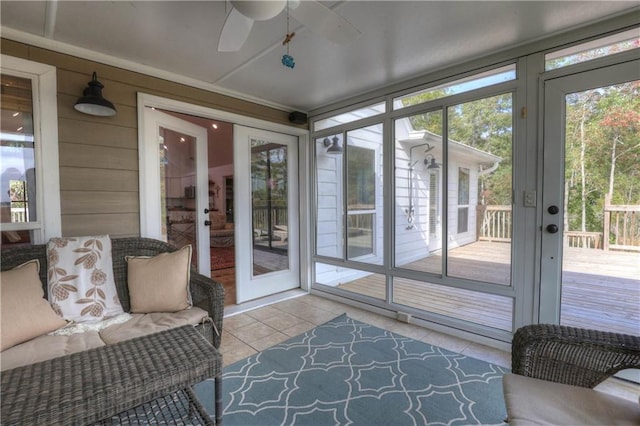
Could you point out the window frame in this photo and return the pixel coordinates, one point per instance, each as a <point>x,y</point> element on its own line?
<point>45,117</point>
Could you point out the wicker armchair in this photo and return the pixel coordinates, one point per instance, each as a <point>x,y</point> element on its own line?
<point>206,293</point>
<point>576,360</point>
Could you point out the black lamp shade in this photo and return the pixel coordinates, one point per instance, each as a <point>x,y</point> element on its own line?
<point>336,147</point>
<point>92,102</point>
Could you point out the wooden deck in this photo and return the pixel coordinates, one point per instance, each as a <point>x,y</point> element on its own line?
<point>600,289</point>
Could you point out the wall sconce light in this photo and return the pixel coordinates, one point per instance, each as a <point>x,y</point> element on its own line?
<point>430,162</point>
<point>333,147</point>
<point>92,102</point>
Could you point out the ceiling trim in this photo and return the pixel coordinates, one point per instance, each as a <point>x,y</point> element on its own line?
<point>68,49</point>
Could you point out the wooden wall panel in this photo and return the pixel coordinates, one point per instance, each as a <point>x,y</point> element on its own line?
<point>92,179</point>
<point>99,155</point>
<point>116,225</point>
<point>88,202</point>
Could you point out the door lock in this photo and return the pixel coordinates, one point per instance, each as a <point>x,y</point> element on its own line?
<point>206,211</point>
<point>553,210</point>
<point>552,229</point>
<point>207,223</point>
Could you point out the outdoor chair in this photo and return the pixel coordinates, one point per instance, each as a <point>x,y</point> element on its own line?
<point>554,371</point>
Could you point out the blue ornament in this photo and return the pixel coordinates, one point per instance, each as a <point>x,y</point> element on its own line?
<point>288,61</point>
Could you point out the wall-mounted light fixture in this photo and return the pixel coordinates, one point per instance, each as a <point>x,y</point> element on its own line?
<point>430,162</point>
<point>333,147</point>
<point>92,102</point>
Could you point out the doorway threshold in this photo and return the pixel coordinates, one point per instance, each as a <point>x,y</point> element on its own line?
<point>232,310</point>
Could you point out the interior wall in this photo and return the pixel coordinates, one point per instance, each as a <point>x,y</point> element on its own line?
<point>99,155</point>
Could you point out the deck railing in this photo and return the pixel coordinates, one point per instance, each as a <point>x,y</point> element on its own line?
<point>621,228</point>
<point>494,223</point>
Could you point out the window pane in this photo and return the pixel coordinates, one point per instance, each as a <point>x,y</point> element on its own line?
<point>418,192</point>
<point>329,200</point>
<point>269,207</point>
<point>361,232</point>
<point>17,152</point>
<point>364,195</point>
<point>599,48</point>
<point>476,81</point>
<point>467,305</point>
<point>479,216</point>
<point>352,280</point>
<point>348,117</point>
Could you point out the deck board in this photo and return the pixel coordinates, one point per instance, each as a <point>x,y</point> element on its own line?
<point>599,290</point>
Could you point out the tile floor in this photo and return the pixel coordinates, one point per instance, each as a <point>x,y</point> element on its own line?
<point>252,331</point>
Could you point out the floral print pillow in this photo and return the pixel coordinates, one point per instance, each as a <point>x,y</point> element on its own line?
<point>80,278</point>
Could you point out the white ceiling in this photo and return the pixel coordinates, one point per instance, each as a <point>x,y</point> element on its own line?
<point>399,40</point>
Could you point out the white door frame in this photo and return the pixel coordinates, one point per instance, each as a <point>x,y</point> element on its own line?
<point>147,100</point>
<point>150,196</point>
<point>555,91</point>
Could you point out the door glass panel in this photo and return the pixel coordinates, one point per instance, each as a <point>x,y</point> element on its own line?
<point>418,201</point>
<point>601,241</point>
<point>178,189</point>
<point>269,206</point>
<point>17,151</point>
<point>480,190</point>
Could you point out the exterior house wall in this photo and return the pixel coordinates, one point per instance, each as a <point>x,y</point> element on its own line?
<point>99,155</point>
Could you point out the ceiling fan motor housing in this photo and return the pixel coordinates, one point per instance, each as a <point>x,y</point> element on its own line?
<point>260,10</point>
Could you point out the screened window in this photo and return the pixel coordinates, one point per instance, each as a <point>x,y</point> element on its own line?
<point>594,49</point>
<point>476,81</point>
<point>29,186</point>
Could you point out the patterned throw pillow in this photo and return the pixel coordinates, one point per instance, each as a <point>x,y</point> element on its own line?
<point>80,278</point>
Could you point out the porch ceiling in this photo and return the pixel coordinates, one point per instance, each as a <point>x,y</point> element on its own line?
<point>399,40</point>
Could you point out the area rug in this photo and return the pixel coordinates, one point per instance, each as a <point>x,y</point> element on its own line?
<point>346,372</point>
<point>222,257</point>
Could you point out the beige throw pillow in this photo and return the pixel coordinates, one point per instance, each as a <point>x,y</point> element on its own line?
<point>24,312</point>
<point>160,283</point>
<point>80,278</point>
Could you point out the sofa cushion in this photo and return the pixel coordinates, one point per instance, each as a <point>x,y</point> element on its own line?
<point>142,324</point>
<point>159,283</point>
<point>532,401</point>
<point>47,347</point>
<point>80,278</point>
<point>24,312</point>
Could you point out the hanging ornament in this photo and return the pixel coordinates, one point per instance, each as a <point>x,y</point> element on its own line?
<point>287,60</point>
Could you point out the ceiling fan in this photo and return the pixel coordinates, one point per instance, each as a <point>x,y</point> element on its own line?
<point>310,13</point>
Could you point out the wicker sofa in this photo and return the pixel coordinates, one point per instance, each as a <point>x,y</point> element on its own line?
<point>554,371</point>
<point>206,294</point>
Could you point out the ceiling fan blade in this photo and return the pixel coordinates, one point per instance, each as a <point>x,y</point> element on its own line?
<point>324,21</point>
<point>235,32</point>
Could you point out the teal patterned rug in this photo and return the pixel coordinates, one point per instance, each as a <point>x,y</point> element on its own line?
<point>346,372</point>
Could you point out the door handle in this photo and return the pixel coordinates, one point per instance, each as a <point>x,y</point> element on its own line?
<point>552,229</point>
<point>207,223</point>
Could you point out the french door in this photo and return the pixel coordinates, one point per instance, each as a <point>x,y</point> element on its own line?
<point>174,191</point>
<point>267,212</point>
<point>590,267</point>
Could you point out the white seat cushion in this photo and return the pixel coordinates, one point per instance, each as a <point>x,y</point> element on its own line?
<point>47,347</point>
<point>539,402</point>
<point>143,324</point>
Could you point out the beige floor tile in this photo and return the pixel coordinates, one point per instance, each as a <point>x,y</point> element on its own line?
<point>253,332</point>
<point>281,320</point>
<point>263,313</point>
<point>237,321</point>
<point>445,341</point>
<point>270,340</point>
<point>239,353</point>
<point>298,329</point>
<point>488,354</point>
